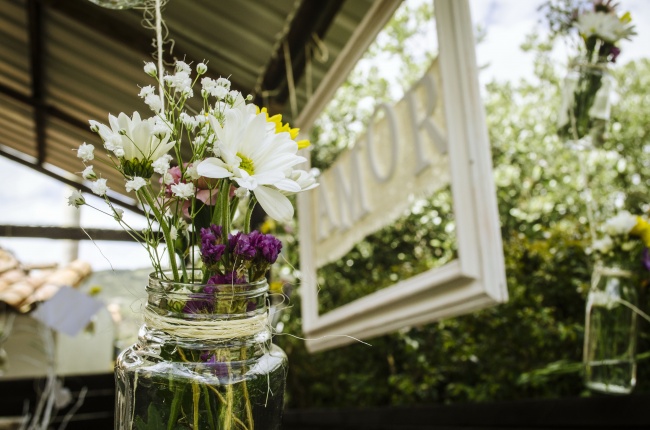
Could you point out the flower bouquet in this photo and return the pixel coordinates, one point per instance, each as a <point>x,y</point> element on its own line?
<point>622,262</point>
<point>586,93</point>
<point>204,358</point>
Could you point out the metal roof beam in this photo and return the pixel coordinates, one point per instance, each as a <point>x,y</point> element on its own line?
<point>37,69</point>
<point>311,18</point>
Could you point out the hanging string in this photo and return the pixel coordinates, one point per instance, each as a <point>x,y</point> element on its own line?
<point>159,46</point>
<point>153,20</point>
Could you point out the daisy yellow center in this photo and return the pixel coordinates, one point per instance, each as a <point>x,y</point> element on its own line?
<point>246,164</point>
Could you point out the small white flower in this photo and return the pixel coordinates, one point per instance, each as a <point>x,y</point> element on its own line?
<point>218,92</point>
<point>76,199</point>
<point>188,121</point>
<point>118,214</point>
<point>94,126</point>
<point>167,178</point>
<point>119,152</point>
<point>191,173</point>
<point>183,191</point>
<point>135,184</point>
<point>622,223</point>
<point>603,245</point>
<point>99,187</point>
<point>199,140</point>
<point>223,82</point>
<point>89,173</point>
<point>179,81</point>
<point>161,165</point>
<point>150,69</point>
<point>182,66</point>
<point>241,192</point>
<point>173,233</point>
<point>86,152</point>
<point>160,128</point>
<point>145,91</point>
<point>154,102</point>
<point>201,68</point>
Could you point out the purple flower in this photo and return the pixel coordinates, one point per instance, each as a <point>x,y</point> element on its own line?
<point>230,278</point>
<point>240,245</point>
<point>251,306</point>
<point>211,247</point>
<point>267,246</point>
<point>218,368</point>
<point>645,259</point>
<point>199,304</point>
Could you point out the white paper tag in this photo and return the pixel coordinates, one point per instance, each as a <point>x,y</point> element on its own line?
<point>68,311</point>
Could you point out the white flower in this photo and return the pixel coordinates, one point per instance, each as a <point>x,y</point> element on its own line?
<point>145,91</point>
<point>119,151</point>
<point>86,152</point>
<point>188,121</point>
<point>607,26</point>
<point>182,66</point>
<point>242,192</point>
<point>621,224</point>
<point>118,214</point>
<point>183,191</point>
<point>255,160</point>
<point>167,178</point>
<point>89,173</point>
<point>191,172</point>
<point>180,81</point>
<point>154,102</point>
<point>150,69</point>
<point>76,199</point>
<point>305,180</point>
<point>218,92</point>
<point>135,136</point>
<point>603,245</point>
<point>161,128</point>
<point>99,187</point>
<point>201,68</point>
<point>161,165</point>
<point>173,233</point>
<point>223,82</point>
<point>135,184</point>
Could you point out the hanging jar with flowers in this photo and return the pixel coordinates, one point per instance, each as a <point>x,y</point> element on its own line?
<point>611,315</point>
<point>204,358</point>
<point>587,88</point>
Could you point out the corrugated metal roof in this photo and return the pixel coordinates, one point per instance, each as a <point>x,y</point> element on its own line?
<point>63,62</point>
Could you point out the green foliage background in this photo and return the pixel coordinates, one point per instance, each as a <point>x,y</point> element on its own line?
<point>530,347</point>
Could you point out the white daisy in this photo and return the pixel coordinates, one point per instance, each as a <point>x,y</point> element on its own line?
<point>254,159</point>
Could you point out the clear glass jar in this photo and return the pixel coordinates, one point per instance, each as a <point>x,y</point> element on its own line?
<point>586,105</point>
<point>611,331</point>
<point>204,360</point>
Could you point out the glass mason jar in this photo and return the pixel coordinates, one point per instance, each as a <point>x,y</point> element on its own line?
<point>610,331</point>
<point>586,105</point>
<point>204,360</point>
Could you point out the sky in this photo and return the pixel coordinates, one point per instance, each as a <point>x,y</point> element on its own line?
<point>35,199</point>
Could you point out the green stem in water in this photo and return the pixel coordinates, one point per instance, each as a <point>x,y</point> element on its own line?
<point>175,407</point>
<point>208,407</point>
<point>196,394</point>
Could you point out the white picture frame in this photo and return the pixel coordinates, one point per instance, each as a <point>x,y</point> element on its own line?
<point>476,279</point>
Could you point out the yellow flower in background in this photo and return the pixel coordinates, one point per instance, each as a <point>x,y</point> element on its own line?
<point>276,287</point>
<point>642,229</point>
<point>268,226</point>
<point>282,128</point>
